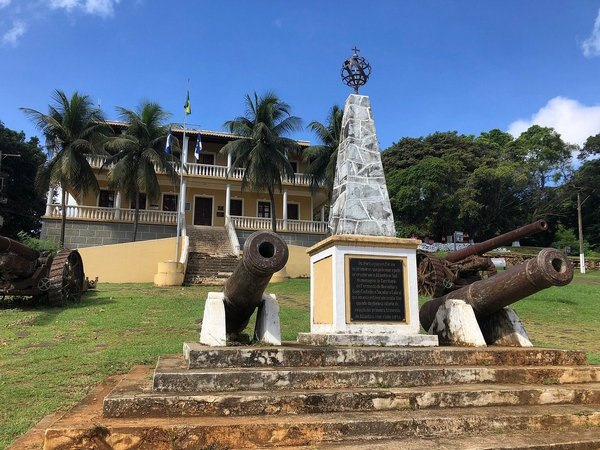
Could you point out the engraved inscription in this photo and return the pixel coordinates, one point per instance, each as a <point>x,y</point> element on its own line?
<point>376,290</point>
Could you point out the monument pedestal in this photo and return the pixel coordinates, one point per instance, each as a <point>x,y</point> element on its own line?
<point>364,292</point>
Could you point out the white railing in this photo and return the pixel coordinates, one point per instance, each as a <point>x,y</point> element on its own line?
<point>210,170</point>
<point>264,223</point>
<point>233,239</point>
<point>113,214</point>
<point>96,162</point>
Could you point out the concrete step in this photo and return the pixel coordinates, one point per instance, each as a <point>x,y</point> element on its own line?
<point>172,375</point>
<point>206,269</point>
<point>133,397</point>
<point>295,355</point>
<point>83,429</point>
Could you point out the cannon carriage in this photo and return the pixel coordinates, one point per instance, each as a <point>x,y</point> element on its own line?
<point>438,276</point>
<point>25,272</point>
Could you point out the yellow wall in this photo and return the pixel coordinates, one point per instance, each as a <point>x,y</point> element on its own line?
<point>298,265</point>
<point>137,262</point>
<point>132,262</point>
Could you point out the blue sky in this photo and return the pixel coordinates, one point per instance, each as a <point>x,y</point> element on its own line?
<point>468,66</point>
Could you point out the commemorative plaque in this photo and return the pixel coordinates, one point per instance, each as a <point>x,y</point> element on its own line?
<point>376,289</point>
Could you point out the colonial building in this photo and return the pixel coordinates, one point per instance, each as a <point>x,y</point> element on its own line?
<point>212,198</point>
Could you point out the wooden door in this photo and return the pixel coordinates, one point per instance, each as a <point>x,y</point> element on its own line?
<point>203,211</point>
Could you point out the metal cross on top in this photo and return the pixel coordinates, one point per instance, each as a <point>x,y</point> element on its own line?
<point>355,71</point>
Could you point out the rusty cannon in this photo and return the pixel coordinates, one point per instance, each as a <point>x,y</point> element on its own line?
<point>438,276</point>
<point>489,297</point>
<point>227,313</point>
<point>25,272</point>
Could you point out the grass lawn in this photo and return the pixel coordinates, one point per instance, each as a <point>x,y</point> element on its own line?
<point>51,357</point>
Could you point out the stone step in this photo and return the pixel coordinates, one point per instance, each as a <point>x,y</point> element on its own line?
<point>172,375</point>
<point>82,429</point>
<point>295,355</point>
<point>133,397</point>
<point>588,439</point>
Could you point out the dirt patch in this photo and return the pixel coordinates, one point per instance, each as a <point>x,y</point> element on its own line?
<point>26,321</point>
<point>45,344</point>
<point>23,333</point>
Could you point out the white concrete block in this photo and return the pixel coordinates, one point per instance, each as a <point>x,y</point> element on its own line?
<point>455,324</point>
<point>504,328</point>
<point>268,328</point>
<point>370,339</point>
<point>213,330</point>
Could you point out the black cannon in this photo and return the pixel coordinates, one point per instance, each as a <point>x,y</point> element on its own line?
<point>264,254</point>
<point>437,276</point>
<point>549,268</point>
<point>24,272</point>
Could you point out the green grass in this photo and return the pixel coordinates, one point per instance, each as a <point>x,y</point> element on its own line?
<point>51,357</point>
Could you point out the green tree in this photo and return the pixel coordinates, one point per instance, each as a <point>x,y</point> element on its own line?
<point>139,152</point>
<point>263,148</point>
<point>22,205</point>
<point>322,158</point>
<point>73,129</point>
<point>591,147</point>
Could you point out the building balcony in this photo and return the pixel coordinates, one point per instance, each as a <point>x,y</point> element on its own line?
<point>157,217</point>
<point>211,171</point>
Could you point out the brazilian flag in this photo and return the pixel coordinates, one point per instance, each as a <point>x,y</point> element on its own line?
<point>187,107</point>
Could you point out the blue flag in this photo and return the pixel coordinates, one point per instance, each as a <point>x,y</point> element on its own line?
<point>198,148</point>
<point>168,144</point>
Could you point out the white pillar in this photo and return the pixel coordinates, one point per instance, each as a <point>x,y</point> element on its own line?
<point>323,213</point>
<point>228,161</point>
<point>49,201</point>
<point>184,158</point>
<point>285,225</point>
<point>118,206</point>
<point>227,202</point>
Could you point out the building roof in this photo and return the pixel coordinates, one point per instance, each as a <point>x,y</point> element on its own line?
<point>218,136</point>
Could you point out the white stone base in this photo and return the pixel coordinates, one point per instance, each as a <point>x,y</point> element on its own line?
<point>504,328</point>
<point>382,339</point>
<point>455,324</point>
<point>268,329</point>
<point>213,332</point>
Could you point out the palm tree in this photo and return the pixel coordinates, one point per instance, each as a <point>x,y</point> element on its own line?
<point>73,129</point>
<point>263,150</point>
<point>322,158</point>
<point>139,152</point>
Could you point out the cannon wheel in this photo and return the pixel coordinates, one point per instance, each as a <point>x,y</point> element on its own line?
<point>66,278</point>
<point>431,276</point>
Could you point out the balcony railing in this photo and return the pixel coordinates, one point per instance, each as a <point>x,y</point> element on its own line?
<point>210,170</point>
<point>97,213</point>
<point>264,223</point>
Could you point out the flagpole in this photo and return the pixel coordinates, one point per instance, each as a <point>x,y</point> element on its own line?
<point>181,205</point>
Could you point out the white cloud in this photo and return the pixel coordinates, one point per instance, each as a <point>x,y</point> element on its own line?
<point>591,46</point>
<point>102,8</point>
<point>574,121</point>
<point>4,3</point>
<point>278,22</point>
<point>11,37</point>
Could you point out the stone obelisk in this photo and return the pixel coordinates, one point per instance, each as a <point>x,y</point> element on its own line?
<point>360,201</point>
<point>363,277</point>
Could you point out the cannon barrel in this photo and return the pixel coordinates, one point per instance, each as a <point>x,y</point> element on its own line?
<point>8,245</point>
<point>549,268</point>
<point>498,241</point>
<point>264,254</point>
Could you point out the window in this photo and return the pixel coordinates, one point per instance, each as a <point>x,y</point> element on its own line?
<point>169,202</point>
<point>236,207</point>
<point>207,158</point>
<point>264,209</point>
<point>106,199</point>
<point>142,201</point>
<point>294,165</point>
<point>293,211</point>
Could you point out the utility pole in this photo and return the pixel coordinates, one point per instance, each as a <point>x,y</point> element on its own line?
<point>580,225</point>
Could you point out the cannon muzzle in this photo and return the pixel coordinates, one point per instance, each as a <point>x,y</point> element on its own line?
<point>549,268</point>
<point>264,254</point>
<point>504,239</point>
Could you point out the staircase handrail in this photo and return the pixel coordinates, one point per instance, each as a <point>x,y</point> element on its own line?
<point>233,239</point>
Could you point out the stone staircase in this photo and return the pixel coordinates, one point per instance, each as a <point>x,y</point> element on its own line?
<point>210,258</point>
<point>339,397</point>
